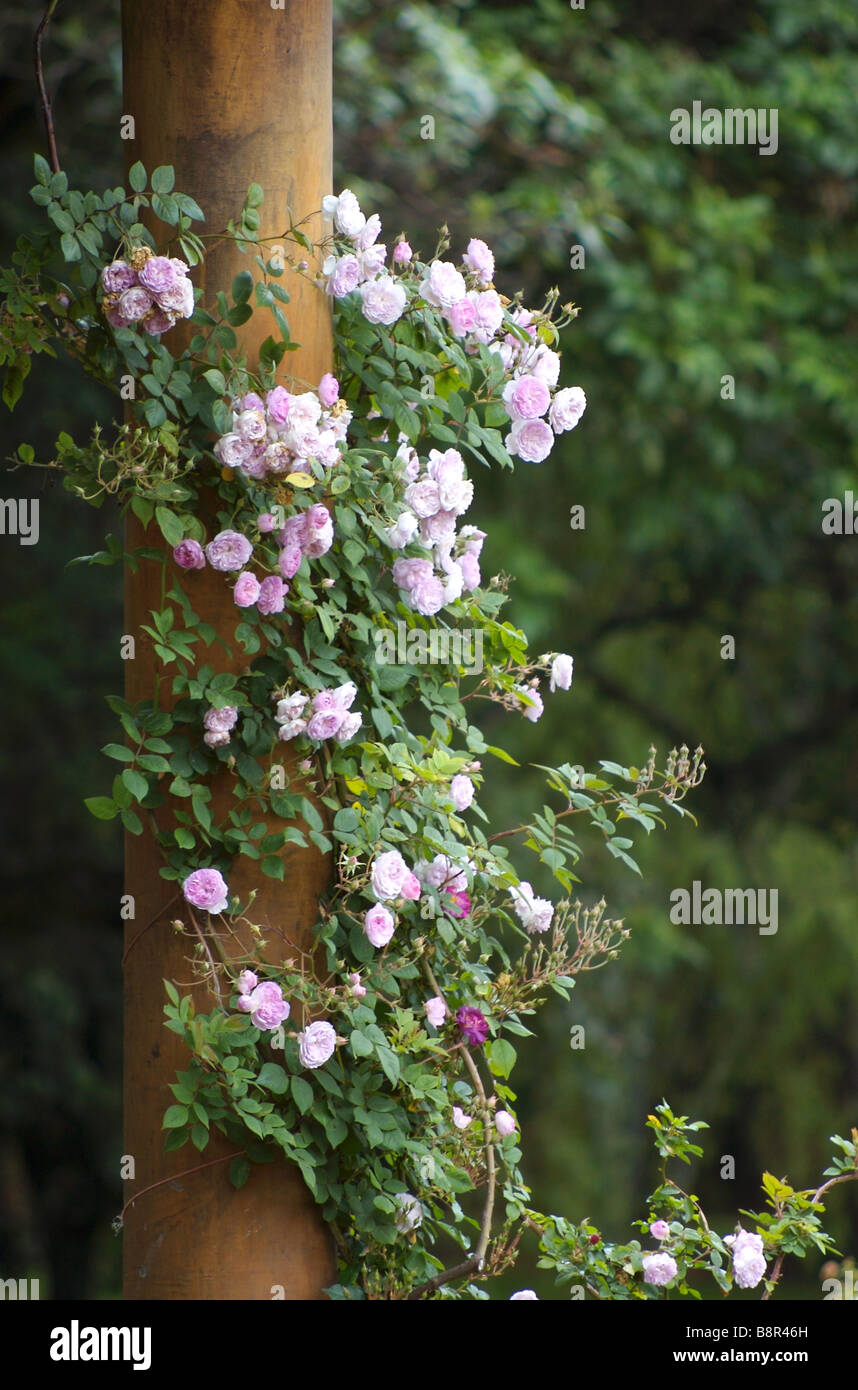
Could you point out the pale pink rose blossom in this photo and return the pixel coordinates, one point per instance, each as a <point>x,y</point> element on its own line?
<point>461,791</point>
<point>436,1011</point>
<point>479,259</point>
<point>531,440</point>
<point>389,872</point>
<point>272,595</point>
<point>659,1268</point>
<point>504,1123</point>
<point>561,672</point>
<point>526,397</point>
<point>460,1119</point>
<point>206,889</point>
<point>567,408</point>
<point>524,1295</point>
<point>317,1044</point>
<point>266,1006</point>
<point>660,1230</point>
<point>228,551</point>
<point>329,390</point>
<point>443,285</point>
<point>246,590</point>
<point>379,925</point>
<point>384,300</point>
<point>402,253</point>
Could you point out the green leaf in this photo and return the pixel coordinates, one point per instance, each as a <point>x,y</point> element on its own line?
<point>70,247</point>
<point>137,177</point>
<point>102,807</point>
<point>136,783</point>
<point>118,751</point>
<point>163,179</point>
<point>171,527</point>
<point>303,1093</point>
<point>389,1063</point>
<point>42,170</point>
<point>501,1056</point>
<point>359,1044</point>
<point>176,1116</point>
<point>273,1078</point>
<point>239,1172</point>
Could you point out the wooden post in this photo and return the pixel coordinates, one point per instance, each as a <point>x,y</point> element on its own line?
<point>229,92</point>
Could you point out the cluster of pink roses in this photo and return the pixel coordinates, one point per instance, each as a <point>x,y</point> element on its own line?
<point>390,877</point>
<point>219,724</point>
<point>383,298</point>
<point>441,873</point>
<point>152,290</point>
<point>528,394</point>
<point>283,432</point>
<point>264,1002</point>
<point>434,499</point>
<point>309,533</point>
<point>268,1010</point>
<point>527,697</point>
<point>330,714</point>
<point>466,298</point>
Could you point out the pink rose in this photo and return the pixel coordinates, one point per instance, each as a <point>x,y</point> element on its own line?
<point>134,303</point>
<point>289,561</point>
<point>228,551</point>
<point>355,987</point>
<point>158,321</point>
<point>531,440</point>
<point>272,595</point>
<point>561,672</point>
<point>479,259</point>
<point>118,276</point>
<point>462,317</point>
<point>246,590</point>
<point>384,300</point>
<point>460,1119</point>
<point>323,726</point>
<point>461,792</point>
<point>567,408</point>
<point>389,872</point>
<point>658,1268</point>
<point>266,1006</point>
<point>247,982</point>
<point>379,925</point>
<point>526,398</point>
<point>660,1230</point>
<point>316,1044</point>
<point>206,889</point>
<point>159,274</point>
<point>220,721</point>
<point>436,1011</point>
<point>329,390</point>
<point>410,889</point>
<point>470,567</point>
<point>504,1123</point>
<point>266,522</point>
<point>402,253</point>
<point>344,276</point>
<point>188,555</point>
<point>443,285</point>
<point>277,403</point>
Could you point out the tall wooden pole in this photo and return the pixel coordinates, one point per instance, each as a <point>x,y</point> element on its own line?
<point>229,92</point>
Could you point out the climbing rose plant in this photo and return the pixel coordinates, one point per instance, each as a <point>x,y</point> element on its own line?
<point>333,511</point>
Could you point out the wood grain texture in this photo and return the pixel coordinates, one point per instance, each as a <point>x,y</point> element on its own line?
<point>228,92</point>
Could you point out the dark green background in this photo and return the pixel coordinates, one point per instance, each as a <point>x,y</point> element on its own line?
<point>703,518</point>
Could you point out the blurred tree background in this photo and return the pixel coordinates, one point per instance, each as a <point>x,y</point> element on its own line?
<point>703,518</point>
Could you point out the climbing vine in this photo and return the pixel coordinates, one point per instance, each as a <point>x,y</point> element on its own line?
<point>366,640</point>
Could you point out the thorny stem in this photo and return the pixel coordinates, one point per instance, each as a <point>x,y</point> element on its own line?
<point>44,99</point>
<point>475,1261</point>
<point>175,1177</point>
